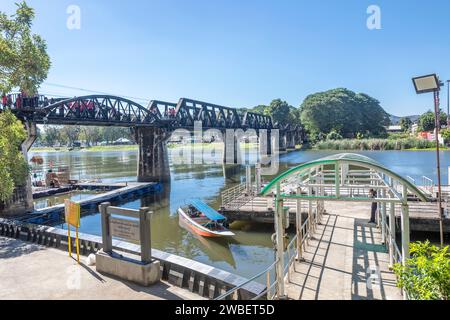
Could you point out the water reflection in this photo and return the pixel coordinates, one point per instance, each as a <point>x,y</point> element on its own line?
<point>250,250</point>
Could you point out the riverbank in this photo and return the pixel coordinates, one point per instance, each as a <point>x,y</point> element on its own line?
<point>404,144</point>
<point>89,149</point>
<point>214,145</point>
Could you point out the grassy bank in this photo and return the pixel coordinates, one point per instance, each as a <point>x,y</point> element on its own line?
<point>135,147</point>
<point>90,149</point>
<point>376,144</point>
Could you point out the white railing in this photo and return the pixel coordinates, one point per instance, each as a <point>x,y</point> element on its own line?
<point>231,197</point>
<point>428,184</point>
<point>411,179</point>
<point>270,292</point>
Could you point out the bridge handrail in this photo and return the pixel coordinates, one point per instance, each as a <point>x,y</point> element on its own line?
<point>291,253</point>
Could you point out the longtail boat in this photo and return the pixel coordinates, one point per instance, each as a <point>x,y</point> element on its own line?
<point>203,220</point>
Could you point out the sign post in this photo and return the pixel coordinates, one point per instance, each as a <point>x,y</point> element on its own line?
<point>72,217</point>
<point>130,226</point>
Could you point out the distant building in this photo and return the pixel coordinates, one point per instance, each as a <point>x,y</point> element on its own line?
<point>394,129</point>
<point>122,141</point>
<point>414,128</point>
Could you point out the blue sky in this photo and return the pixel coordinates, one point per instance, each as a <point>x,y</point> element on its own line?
<point>245,53</point>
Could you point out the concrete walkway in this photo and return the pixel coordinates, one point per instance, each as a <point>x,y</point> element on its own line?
<point>34,272</point>
<point>339,262</point>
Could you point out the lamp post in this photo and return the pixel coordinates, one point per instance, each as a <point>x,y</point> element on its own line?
<point>448,103</point>
<point>425,84</point>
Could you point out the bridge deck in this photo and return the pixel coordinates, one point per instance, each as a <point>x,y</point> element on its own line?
<point>338,261</point>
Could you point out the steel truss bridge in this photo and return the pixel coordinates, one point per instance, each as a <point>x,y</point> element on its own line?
<point>107,110</point>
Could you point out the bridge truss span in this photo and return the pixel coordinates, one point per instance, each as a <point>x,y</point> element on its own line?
<point>96,110</point>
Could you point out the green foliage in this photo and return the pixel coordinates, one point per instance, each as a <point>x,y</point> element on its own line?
<point>280,111</point>
<point>446,135</point>
<point>375,144</point>
<point>398,135</point>
<point>427,120</point>
<point>345,112</point>
<point>67,135</point>
<point>333,135</point>
<point>426,275</point>
<point>13,167</point>
<point>24,62</point>
<point>406,124</point>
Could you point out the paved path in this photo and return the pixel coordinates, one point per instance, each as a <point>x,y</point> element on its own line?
<point>338,261</point>
<point>34,272</point>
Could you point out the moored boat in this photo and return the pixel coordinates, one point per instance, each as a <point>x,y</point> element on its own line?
<point>203,220</point>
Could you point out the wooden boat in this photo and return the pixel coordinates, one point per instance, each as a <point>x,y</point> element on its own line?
<point>203,220</point>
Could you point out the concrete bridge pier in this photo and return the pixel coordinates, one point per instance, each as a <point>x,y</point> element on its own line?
<point>290,137</point>
<point>282,148</point>
<point>153,159</point>
<point>231,148</point>
<point>264,143</point>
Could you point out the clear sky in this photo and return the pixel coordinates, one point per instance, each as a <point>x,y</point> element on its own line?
<point>242,53</point>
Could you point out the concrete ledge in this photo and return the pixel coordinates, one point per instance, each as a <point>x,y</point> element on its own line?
<point>197,277</point>
<point>127,268</point>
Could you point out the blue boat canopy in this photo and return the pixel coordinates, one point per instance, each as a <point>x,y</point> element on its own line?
<point>207,210</point>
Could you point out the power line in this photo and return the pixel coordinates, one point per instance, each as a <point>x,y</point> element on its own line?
<point>92,91</point>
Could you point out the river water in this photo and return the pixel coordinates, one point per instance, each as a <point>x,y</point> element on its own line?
<point>250,251</point>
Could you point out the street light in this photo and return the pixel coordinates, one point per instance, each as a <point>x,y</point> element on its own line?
<point>448,103</point>
<point>425,84</point>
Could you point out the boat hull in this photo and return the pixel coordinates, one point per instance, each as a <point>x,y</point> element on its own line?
<point>193,226</point>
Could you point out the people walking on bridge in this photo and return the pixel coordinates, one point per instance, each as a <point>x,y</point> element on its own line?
<point>4,101</point>
<point>19,101</point>
<point>373,195</point>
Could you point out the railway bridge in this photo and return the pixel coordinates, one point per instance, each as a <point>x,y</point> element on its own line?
<point>153,125</point>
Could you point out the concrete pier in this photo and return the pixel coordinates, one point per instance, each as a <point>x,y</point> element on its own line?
<point>344,261</point>
<point>35,272</point>
<point>422,216</point>
<point>197,277</point>
<point>153,159</point>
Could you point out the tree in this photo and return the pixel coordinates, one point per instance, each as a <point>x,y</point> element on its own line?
<point>343,111</point>
<point>280,111</point>
<point>427,120</point>
<point>24,62</point>
<point>13,166</point>
<point>69,134</point>
<point>52,136</point>
<point>406,124</point>
<point>333,135</point>
<point>426,275</point>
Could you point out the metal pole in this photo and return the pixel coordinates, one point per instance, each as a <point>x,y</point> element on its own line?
<point>448,103</point>
<point>144,225</point>
<point>438,163</point>
<point>299,223</point>
<point>405,226</point>
<point>383,218</point>
<point>280,246</point>
<point>106,235</point>
<point>392,233</point>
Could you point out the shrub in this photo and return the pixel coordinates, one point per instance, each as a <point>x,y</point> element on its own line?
<point>426,275</point>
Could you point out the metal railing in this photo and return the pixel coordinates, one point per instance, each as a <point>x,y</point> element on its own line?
<point>237,196</point>
<point>428,184</point>
<point>233,294</point>
<point>270,292</point>
<point>411,179</point>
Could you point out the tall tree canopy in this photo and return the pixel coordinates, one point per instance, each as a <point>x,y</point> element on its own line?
<point>427,120</point>
<point>344,112</point>
<point>13,167</point>
<point>280,111</point>
<point>24,62</point>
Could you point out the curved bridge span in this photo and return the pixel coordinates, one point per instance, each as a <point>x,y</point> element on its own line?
<point>153,125</point>
<point>107,110</point>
